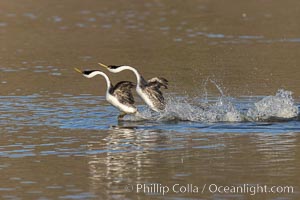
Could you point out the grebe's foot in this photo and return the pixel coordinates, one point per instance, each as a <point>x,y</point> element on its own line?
<point>121,115</point>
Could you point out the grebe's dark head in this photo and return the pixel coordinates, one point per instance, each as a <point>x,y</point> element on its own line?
<point>114,68</point>
<point>89,73</point>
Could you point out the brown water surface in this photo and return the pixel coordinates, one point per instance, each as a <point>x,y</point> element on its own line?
<point>59,138</point>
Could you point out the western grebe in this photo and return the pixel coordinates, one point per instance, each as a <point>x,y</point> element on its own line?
<point>120,95</point>
<point>149,90</point>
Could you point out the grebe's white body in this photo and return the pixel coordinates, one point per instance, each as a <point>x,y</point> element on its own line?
<point>115,102</point>
<point>149,90</point>
<point>120,95</point>
<point>146,98</point>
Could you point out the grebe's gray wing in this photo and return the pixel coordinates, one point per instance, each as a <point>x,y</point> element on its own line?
<point>158,82</point>
<point>122,91</point>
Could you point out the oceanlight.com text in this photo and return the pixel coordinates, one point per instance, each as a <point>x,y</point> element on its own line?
<point>250,189</point>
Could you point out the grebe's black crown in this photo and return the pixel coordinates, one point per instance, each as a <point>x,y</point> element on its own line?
<point>113,66</point>
<point>87,72</point>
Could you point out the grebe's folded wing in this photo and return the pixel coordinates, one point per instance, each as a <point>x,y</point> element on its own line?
<point>122,91</point>
<point>158,82</point>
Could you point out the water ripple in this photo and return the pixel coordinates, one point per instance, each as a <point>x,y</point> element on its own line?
<point>92,112</point>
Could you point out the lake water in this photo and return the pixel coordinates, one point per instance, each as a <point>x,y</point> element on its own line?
<point>231,126</point>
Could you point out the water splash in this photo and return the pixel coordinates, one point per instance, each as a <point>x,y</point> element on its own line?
<point>223,110</point>
<point>196,109</point>
<point>226,109</point>
<point>280,106</point>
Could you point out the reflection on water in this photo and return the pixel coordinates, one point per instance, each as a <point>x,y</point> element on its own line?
<point>105,162</point>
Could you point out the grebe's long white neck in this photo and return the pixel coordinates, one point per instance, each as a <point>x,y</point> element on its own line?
<point>94,73</point>
<point>125,67</point>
